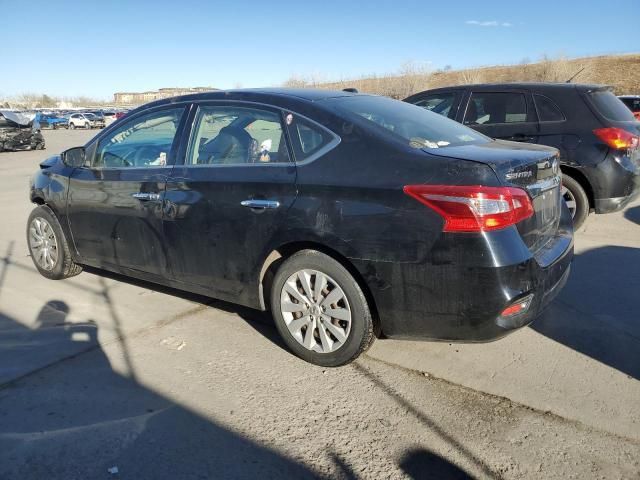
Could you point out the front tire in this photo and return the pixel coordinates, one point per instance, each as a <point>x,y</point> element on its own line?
<point>576,200</point>
<point>87,126</point>
<point>72,126</point>
<point>320,310</point>
<point>48,246</point>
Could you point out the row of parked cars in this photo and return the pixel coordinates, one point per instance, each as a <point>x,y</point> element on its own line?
<point>73,120</point>
<point>348,216</point>
<point>21,130</point>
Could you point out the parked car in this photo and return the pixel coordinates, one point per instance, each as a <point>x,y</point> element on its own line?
<point>49,120</point>
<point>85,120</point>
<point>633,103</point>
<point>347,215</point>
<point>595,133</point>
<point>19,132</point>
<point>109,118</point>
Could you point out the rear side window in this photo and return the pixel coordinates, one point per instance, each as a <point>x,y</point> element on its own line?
<point>486,108</point>
<point>437,103</point>
<point>307,138</point>
<point>610,106</point>
<point>548,111</point>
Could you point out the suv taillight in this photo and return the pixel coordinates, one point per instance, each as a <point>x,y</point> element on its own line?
<point>474,208</point>
<point>617,138</point>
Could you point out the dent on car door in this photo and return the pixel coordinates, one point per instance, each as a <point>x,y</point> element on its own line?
<point>503,115</point>
<point>228,199</point>
<point>115,201</point>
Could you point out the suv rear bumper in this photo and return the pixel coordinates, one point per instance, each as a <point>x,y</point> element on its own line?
<point>619,180</point>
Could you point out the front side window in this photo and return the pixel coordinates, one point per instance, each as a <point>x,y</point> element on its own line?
<point>413,125</point>
<point>486,108</point>
<point>144,141</point>
<point>228,135</point>
<point>438,103</point>
<point>548,111</point>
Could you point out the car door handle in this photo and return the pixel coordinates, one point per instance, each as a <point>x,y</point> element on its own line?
<point>260,204</point>
<point>521,137</point>
<point>145,197</point>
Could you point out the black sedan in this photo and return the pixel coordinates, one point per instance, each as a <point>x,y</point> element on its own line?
<point>349,216</point>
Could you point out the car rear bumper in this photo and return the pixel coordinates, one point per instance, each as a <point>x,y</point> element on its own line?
<point>462,300</point>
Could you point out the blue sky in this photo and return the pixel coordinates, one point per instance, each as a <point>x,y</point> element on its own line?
<point>95,48</point>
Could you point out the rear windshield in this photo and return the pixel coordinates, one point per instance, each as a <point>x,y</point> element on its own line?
<point>416,126</point>
<point>610,106</point>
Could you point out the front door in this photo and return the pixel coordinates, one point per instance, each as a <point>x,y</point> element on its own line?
<point>115,202</point>
<point>229,199</point>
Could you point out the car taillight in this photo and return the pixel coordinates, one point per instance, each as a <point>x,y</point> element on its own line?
<point>474,208</point>
<point>617,138</point>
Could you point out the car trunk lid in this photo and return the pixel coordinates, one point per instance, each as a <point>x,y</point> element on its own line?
<point>533,168</point>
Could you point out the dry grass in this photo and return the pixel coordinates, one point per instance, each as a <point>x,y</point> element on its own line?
<point>620,71</point>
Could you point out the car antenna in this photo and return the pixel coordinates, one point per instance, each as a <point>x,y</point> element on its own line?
<point>350,90</point>
<point>577,73</point>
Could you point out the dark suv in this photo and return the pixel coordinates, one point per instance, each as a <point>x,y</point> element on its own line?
<point>595,132</point>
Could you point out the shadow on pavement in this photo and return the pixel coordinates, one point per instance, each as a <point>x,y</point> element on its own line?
<point>262,322</point>
<point>430,424</point>
<point>420,464</point>
<point>597,312</point>
<point>633,214</point>
<point>79,418</point>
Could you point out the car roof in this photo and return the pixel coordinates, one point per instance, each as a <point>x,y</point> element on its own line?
<point>628,96</point>
<point>525,85</point>
<point>258,94</point>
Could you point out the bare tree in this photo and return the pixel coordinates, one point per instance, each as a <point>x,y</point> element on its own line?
<point>471,76</point>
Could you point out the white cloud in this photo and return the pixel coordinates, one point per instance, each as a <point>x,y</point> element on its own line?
<point>488,23</point>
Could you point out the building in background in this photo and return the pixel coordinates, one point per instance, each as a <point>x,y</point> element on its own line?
<point>138,98</point>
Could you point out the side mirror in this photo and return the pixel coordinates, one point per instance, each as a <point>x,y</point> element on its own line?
<point>74,157</point>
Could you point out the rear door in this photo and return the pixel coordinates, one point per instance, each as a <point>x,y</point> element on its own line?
<point>505,115</point>
<point>115,202</point>
<point>228,198</point>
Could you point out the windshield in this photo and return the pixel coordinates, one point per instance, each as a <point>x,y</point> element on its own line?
<point>417,127</point>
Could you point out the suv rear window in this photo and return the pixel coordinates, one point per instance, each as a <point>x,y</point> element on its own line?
<point>415,126</point>
<point>610,106</point>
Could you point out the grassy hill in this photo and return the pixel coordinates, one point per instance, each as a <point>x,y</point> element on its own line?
<point>620,71</point>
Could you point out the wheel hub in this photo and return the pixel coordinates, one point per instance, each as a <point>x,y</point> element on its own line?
<point>316,311</point>
<point>43,243</point>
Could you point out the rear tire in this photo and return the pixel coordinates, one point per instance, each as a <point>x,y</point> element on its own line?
<point>48,246</point>
<point>72,126</point>
<point>327,321</point>
<point>576,199</point>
